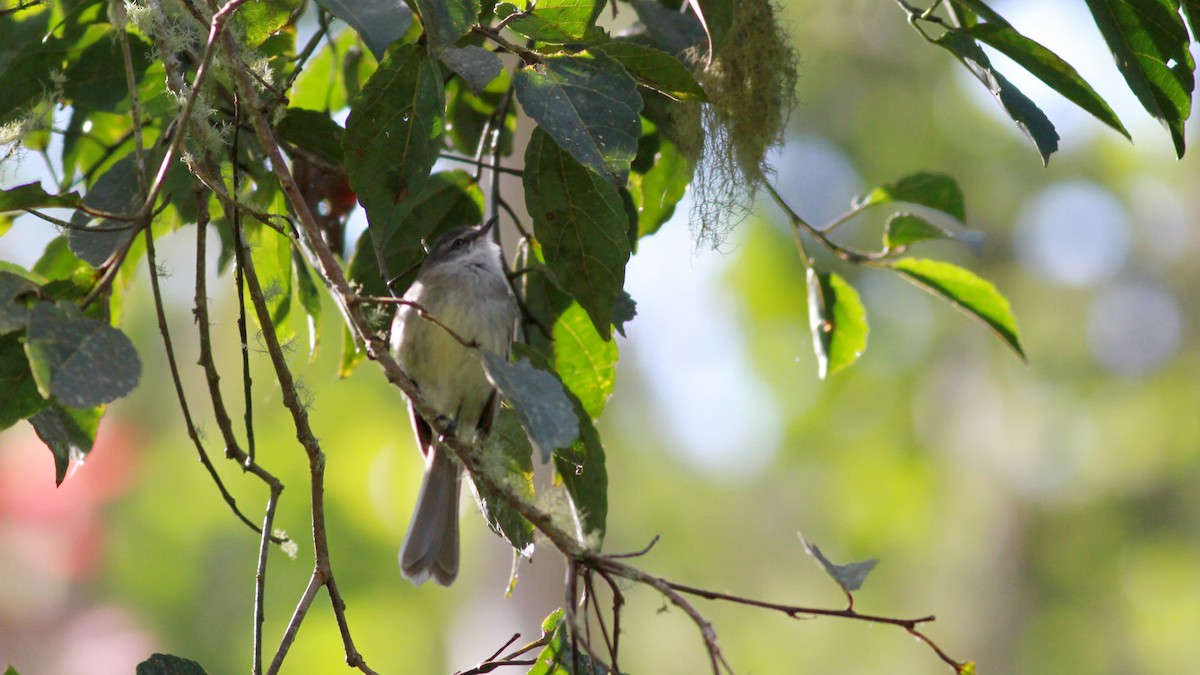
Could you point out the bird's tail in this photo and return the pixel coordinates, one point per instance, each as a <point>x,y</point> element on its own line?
<point>431,545</point>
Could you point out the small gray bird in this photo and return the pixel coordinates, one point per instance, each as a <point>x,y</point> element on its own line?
<point>461,284</point>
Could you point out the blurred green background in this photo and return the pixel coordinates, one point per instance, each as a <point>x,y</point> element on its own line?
<point>1047,514</point>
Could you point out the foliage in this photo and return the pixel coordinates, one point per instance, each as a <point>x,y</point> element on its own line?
<point>621,125</point>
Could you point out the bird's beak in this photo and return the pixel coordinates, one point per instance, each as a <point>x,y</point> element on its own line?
<point>487,226</point>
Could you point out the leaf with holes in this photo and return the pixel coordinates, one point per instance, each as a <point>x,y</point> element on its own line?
<point>838,322</point>
<point>977,297</point>
<point>589,105</point>
<point>80,361</point>
<point>579,220</point>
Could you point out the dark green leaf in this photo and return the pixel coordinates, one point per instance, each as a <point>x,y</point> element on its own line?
<point>1191,11</point>
<point>393,137</point>
<point>975,296</point>
<point>1149,42</point>
<point>656,69</point>
<point>313,131</point>
<point>468,114</point>
<point>32,196</point>
<point>446,21</point>
<point>581,468</point>
<point>936,190</point>
<point>539,399</point>
<point>260,19</point>
<point>508,451</point>
<point>449,199</point>
<point>19,397</point>
<point>624,311</point>
<point>838,322</point>
<point>378,22</point>
<point>903,229</point>
<point>476,65</point>
<point>1029,118</point>
<point>96,80</point>
<point>582,226</point>
<point>165,664</point>
<point>586,362</point>
<point>1048,68</point>
<point>674,32</point>
<point>114,192</point>
<point>980,8</point>
<point>68,432</point>
<point>80,361</point>
<point>27,76</point>
<point>14,312</point>
<point>589,105</point>
<point>849,576</point>
<point>553,21</point>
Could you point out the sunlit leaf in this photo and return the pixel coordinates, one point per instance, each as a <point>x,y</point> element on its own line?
<point>984,12</point>
<point>975,296</point>
<point>589,105</point>
<point>552,21</point>
<point>1149,43</point>
<point>657,184</point>
<point>1029,118</point>
<point>80,361</point>
<point>936,190</point>
<point>586,362</point>
<point>582,226</point>
<point>1049,68</point>
<point>446,21</point>
<point>838,322</point>
<point>260,19</point>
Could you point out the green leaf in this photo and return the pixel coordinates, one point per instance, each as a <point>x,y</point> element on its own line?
<point>378,22</point>
<point>674,32</point>
<point>80,361</point>
<point>580,222</point>
<point>165,664</point>
<point>271,253</point>
<point>14,313</point>
<point>656,69</point>
<point>70,434</point>
<point>1048,68</point>
<point>657,189</point>
<point>32,196</point>
<point>849,576</point>
<point>313,131</point>
<point>589,105</point>
<point>838,322</point>
<point>511,460</point>
<point>539,399</point>
<point>986,13</point>
<point>260,19</point>
<point>446,21</point>
<point>309,295</point>
<point>96,79</point>
<point>449,199</point>
<point>116,191</point>
<point>553,21</point>
<point>1149,43</point>
<point>936,190</point>
<point>975,296</point>
<point>477,66</point>
<point>586,362</point>
<point>1029,118</point>
<point>353,353</point>
<point>336,74</point>
<point>393,137</point>
<point>27,76</point>
<point>558,656</point>
<point>19,397</point>
<point>582,471</point>
<point>468,114</point>
<point>903,229</point>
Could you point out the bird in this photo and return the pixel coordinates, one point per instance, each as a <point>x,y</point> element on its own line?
<point>461,286</point>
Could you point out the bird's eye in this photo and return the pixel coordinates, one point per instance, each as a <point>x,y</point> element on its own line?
<point>458,243</point>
